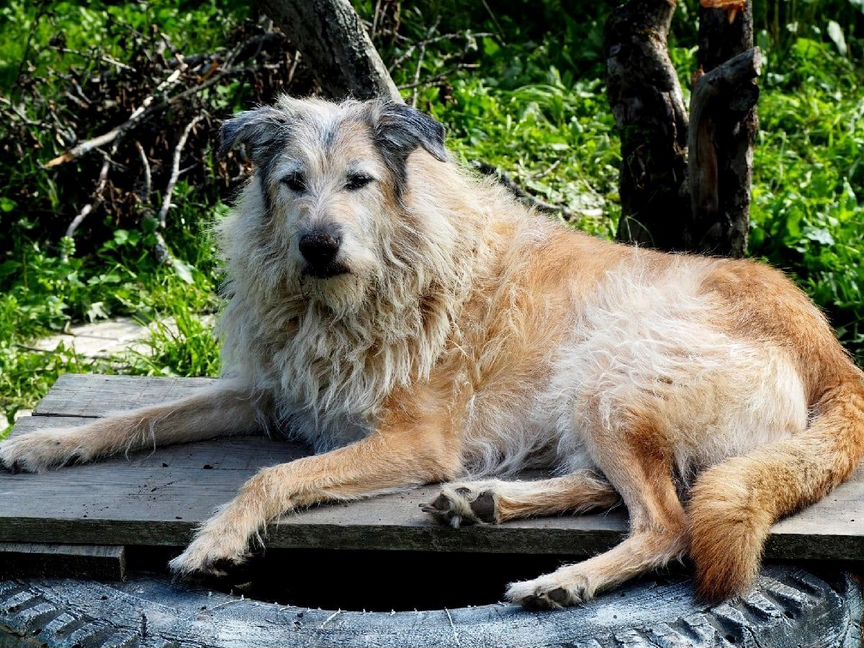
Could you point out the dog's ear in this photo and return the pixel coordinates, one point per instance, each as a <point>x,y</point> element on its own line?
<point>399,129</point>
<point>260,131</point>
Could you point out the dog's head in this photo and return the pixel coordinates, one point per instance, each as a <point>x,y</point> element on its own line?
<point>326,205</point>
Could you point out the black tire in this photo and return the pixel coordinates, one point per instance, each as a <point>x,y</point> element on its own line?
<point>788,607</point>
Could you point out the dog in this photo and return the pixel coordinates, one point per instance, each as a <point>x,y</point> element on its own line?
<point>415,324</point>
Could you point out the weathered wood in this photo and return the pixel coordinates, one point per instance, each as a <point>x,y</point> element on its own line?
<point>157,498</point>
<point>92,561</point>
<point>95,395</point>
<point>648,106</point>
<point>338,50</point>
<point>723,127</point>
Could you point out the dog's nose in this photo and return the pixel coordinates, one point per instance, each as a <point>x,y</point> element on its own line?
<point>320,247</point>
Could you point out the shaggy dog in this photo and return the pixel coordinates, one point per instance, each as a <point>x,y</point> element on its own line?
<point>415,324</point>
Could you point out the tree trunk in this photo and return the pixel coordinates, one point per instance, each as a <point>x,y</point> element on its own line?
<point>684,186</point>
<point>649,110</point>
<point>339,52</point>
<point>725,130</point>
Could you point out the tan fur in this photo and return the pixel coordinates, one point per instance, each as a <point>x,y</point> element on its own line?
<point>469,337</point>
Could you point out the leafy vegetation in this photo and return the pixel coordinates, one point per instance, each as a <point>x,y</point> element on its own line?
<point>520,90</point>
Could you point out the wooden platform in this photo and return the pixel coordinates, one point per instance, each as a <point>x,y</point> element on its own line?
<point>157,498</point>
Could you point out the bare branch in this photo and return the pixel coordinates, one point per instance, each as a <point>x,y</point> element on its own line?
<point>175,171</point>
<point>148,178</point>
<point>137,116</point>
<point>429,41</point>
<point>97,195</point>
<point>110,60</point>
<point>429,33</point>
<point>523,196</point>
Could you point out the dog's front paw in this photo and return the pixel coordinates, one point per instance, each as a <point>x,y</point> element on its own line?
<point>551,592</point>
<point>467,503</point>
<point>41,450</point>
<point>211,553</point>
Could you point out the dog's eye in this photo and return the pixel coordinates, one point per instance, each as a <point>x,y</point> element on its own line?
<point>357,181</point>
<point>295,182</point>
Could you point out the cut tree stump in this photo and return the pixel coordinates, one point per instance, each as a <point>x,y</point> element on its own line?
<point>157,498</point>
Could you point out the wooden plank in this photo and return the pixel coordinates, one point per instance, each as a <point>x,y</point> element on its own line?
<point>29,559</point>
<point>157,498</point>
<point>95,395</point>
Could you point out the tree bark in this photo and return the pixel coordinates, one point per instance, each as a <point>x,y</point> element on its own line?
<point>722,130</point>
<point>337,48</point>
<point>648,106</point>
<point>725,129</point>
<point>670,199</point>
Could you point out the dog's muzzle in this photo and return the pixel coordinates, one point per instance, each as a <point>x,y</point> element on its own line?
<point>320,248</point>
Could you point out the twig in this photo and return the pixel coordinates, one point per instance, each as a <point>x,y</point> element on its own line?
<point>294,65</point>
<point>102,57</point>
<point>330,618</point>
<point>375,19</point>
<point>429,41</point>
<point>148,178</point>
<point>551,168</point>
<point>140,117</point>
<point>97,196</point>
<point>523,196</point>
<point>425,82</point>
<point>452,626</point>
<point>417,75</point>
<point>438,77</point>
<point>17,112</point>
<point>175,171</point>
<point>494,19</point>
<point>137,115</point>
<point>429,33</point>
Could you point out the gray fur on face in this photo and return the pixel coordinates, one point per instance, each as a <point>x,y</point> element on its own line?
<point>263,132</point>
<point>398,130</point>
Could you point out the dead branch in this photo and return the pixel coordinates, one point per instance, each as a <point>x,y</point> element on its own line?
<point>175,171</point>
<point>408,53</point>
<point>148,178</point>
<point>523,196</point>
<point>17,112</point>
<point>98,194</point>
<point>100,56</point>
<point>106,138</point>
<point>429,33</point>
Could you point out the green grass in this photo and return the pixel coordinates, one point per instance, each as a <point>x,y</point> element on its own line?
<point>532,104</point>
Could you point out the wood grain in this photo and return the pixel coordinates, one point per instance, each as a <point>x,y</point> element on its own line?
<point>32,559</point>
<point>157,498</point>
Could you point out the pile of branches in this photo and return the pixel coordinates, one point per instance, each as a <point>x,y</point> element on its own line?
<point>108,149</point>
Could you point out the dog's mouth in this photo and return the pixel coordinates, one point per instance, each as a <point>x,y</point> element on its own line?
<point>333,269</point>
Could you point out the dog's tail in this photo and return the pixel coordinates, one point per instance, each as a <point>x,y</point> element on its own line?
<point>735,503</point>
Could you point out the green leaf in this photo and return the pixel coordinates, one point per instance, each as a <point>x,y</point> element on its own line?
<point>96,311</point>
<point>183,271</point>
<point>835,33</point>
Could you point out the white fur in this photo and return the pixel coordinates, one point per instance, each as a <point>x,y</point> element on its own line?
<point>646,343</point>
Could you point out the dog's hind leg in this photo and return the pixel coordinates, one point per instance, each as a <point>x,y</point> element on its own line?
<point>494,501</point>
<point>221,410</point>
<point>636,464</point>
